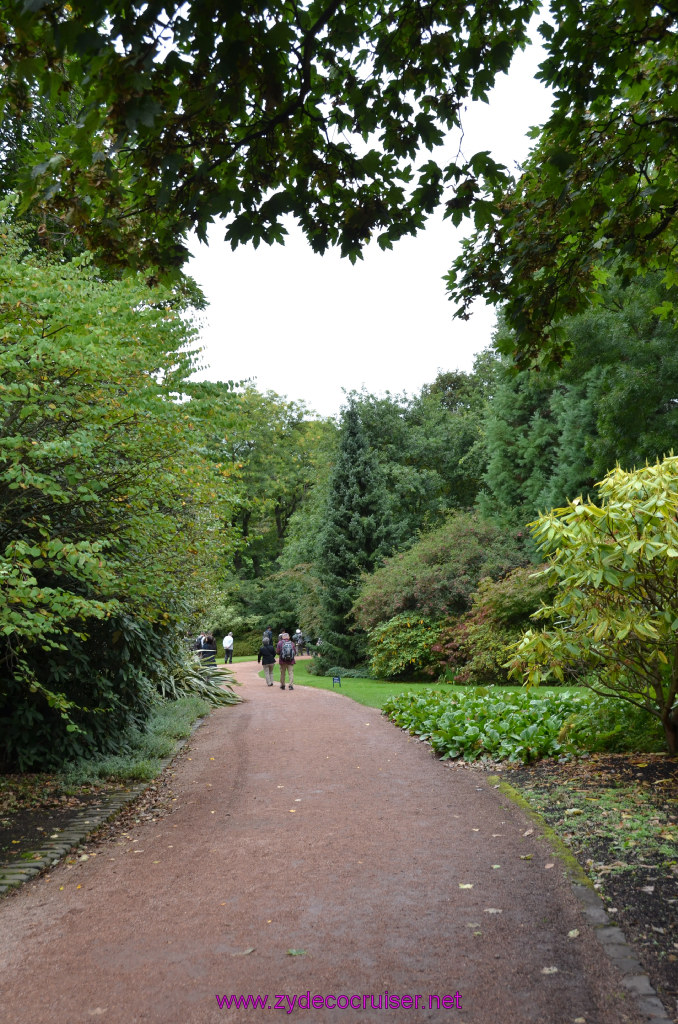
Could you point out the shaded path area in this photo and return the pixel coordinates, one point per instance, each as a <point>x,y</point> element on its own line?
<point>312,848</point>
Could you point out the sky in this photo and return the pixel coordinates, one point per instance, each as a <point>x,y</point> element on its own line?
<point>312,327</point>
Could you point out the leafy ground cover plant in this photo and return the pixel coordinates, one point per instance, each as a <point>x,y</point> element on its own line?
<point>504,725</point>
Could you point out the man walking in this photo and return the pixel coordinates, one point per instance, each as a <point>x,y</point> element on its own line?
<point>287,651</point>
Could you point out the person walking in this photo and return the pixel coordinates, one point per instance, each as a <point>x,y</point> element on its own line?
<point>228,648</point>
<point>268,634</point>
<point>287,652</point>
<point>266,655</point>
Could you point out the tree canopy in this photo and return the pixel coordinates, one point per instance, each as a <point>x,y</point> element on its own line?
<point>194,109</point>
<point>599,187</point>
<point>323,111</point>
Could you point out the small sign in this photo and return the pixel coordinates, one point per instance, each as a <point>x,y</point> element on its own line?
<point>337,680</point>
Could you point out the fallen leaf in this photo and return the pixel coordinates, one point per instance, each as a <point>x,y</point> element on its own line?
<point>529,832</point>
<point>492,910</point>
<point>574,934</point>
<point>549,970</point>
<point>475,830</point>
<point>547,866</point>
<point>573,810</point>
<point>466,885</point>
<point>647,888</point>
<point>296,952</point>
<point>293,810</point>
<point>245,952</point>
<point>526,856</point>
<point>495,866</point>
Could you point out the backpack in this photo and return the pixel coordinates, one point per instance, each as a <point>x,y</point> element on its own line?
<point>287,651</point>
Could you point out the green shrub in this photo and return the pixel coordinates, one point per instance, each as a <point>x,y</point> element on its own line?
<point>402,647</point>
<point>437,576</point>
<point>359,672</point>
<point>186,676</point>
<point>475,648</point>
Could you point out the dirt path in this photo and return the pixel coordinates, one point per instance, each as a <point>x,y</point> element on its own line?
<point>306,822</point>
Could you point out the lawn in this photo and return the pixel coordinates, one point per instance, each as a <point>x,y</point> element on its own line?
<point>373,692</point>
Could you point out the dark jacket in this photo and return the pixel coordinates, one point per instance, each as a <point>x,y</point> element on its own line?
<point>266,654</point>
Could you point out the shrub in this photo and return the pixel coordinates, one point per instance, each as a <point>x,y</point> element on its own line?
<point>613,622</point>
<point>402,647</point>
<point>474,649</point>
<point>437,576</point>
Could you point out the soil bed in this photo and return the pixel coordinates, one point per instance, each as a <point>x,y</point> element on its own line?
<point>618,814</point>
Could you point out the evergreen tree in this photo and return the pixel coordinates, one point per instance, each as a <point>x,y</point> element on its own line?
<point>552,434</point>
<point>356,534</point>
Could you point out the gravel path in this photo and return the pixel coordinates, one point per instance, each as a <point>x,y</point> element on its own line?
<point>313,848</point>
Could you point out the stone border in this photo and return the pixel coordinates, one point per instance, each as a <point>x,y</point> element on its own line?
<point>612,939</point>
<point>14,872</point>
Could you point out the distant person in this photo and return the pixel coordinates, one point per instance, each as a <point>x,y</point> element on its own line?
<point>209,649</point>
<point>268,633</point>
<point>228,648</point>
<point>298,640</point>
<point>287,652</point>
<point>266,655</point>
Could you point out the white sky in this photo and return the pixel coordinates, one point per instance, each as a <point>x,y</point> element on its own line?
<point>308,326</point>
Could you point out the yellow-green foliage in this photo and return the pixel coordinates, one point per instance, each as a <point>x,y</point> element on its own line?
<point>613,622</point>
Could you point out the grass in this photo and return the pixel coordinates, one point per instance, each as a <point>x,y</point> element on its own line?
<point>140,760</point>
<point>144,751</point>
<point>371,692</point>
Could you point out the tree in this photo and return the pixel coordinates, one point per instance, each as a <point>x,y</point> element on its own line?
<point>355,535</point>
<point>613,624</point>
<point>109,513</point>
<point>551,434</point>
<point>598,188</point>
<point>274,447</point>
<point>251,112</point>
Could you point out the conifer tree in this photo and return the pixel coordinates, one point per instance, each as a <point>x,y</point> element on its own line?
<point>355,536</point>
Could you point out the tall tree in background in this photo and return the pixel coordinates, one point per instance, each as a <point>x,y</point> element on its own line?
<point>551,435</point>
<point>356,533</point>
